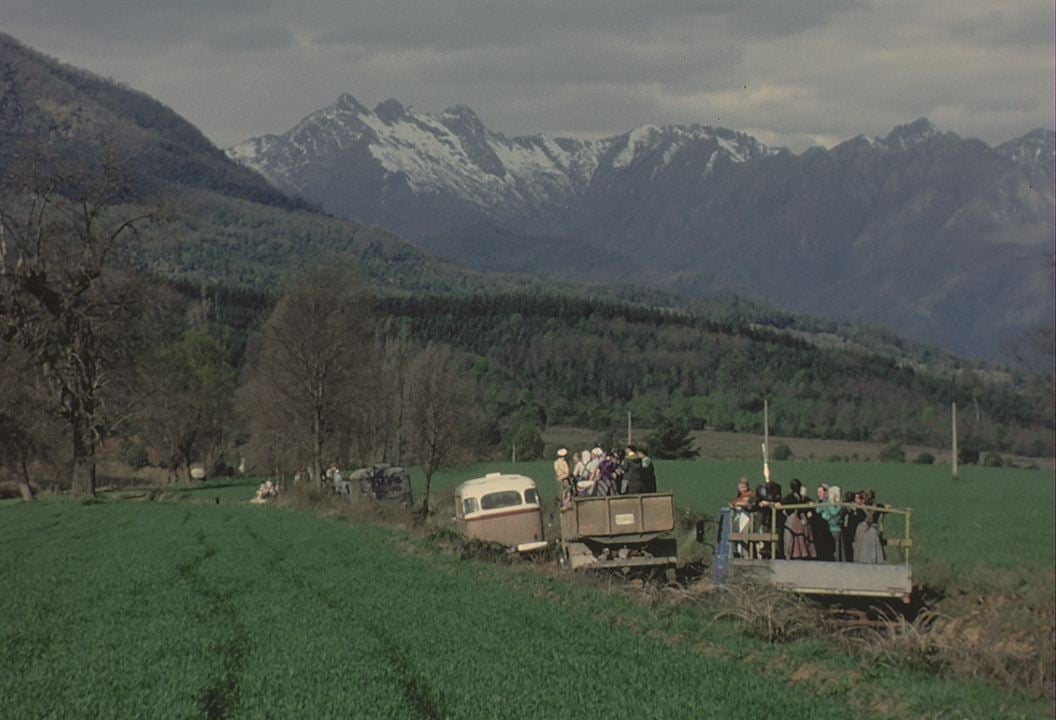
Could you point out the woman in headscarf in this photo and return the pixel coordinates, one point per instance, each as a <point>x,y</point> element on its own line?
<point>868,545</point>
<point>584,483</point>
<point>832,513</point>
<point>607,483</point>
<point>742,506</point>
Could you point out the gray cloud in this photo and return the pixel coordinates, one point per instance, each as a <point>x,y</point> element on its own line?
<point>126,27</point>
<point>463,25</point>
<point>769,20</point>
<point>1012,25</point>
<point>796,73</point>
<point>251,37</point>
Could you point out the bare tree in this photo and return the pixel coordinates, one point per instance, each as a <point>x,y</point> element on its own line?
<point>66,300</point>
<point>1034,352</point>
<point>441,419</point>
<point>310,373</point>
<point>191,405</point>
<point>27,430</point>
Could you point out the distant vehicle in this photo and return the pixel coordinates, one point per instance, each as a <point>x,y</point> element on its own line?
<point>502,509</point>
<point>381,482</point>
<point>619,531</point>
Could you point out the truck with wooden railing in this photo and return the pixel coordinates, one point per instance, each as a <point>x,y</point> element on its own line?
<point>755,550</point>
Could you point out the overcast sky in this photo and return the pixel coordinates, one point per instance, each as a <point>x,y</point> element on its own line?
<point>794,73</point>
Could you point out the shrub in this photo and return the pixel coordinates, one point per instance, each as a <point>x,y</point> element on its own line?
<point>222,469</point>
<point>993,460</point>
<point>924,458</point>
<point>766,612</point>
<point>781,452</point>
<point>968,455</point>
<point>528,442</point>
<point>671,441</point>
<point>892,453</point>
<point>135,455</point>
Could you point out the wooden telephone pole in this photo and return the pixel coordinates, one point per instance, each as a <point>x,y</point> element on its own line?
<point>954,449</point>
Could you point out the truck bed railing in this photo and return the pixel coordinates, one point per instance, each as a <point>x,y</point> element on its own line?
<point>755,538</point>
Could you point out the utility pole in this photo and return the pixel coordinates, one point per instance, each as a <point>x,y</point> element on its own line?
<point>514,458</point>
<point>954,418</point>
<point>766,425</point>
<point>766,439</point>
<point>629,441</point>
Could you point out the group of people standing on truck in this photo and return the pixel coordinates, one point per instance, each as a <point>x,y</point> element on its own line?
<point>593,473</point>
<point>827,528</point>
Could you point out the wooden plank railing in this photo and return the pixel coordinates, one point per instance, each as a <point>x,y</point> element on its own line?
<point>755,537</point>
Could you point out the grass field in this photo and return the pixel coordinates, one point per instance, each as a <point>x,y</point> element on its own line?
<point>190,608</point>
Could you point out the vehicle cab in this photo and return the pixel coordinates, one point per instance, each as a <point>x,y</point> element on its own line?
<point>501,508</point>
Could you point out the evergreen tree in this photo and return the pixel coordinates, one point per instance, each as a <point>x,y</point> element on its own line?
<point>671,441</point>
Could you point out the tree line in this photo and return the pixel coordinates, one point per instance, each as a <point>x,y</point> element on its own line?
<point>95,354</point>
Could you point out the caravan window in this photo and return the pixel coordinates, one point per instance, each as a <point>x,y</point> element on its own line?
<point>531,496</point>
<point>506,498</point>
<point>469,505</point>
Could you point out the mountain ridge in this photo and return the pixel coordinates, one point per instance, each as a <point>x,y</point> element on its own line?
<point>900,229</point>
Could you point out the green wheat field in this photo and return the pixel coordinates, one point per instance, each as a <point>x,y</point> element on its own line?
<point>205,606</point>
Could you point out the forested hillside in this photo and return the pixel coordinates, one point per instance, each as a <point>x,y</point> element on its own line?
<point>97,121</point>
<point>561,359</point>
<point>536,358</point>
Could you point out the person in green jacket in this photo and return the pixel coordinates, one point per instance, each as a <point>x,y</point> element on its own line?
<point>832,513</point>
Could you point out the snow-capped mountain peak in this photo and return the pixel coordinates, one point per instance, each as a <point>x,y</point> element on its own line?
<point>455,155</point>
<point>1037,146</point>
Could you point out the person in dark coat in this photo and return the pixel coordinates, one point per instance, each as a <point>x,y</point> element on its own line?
<point>767,496</point>
<point>797,535</point>
<point>868,543</point>
<point>632,472</point>
<point>851,520</point>
<point>648,474</point>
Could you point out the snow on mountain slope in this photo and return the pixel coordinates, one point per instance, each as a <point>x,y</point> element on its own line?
<point>453,154</point>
